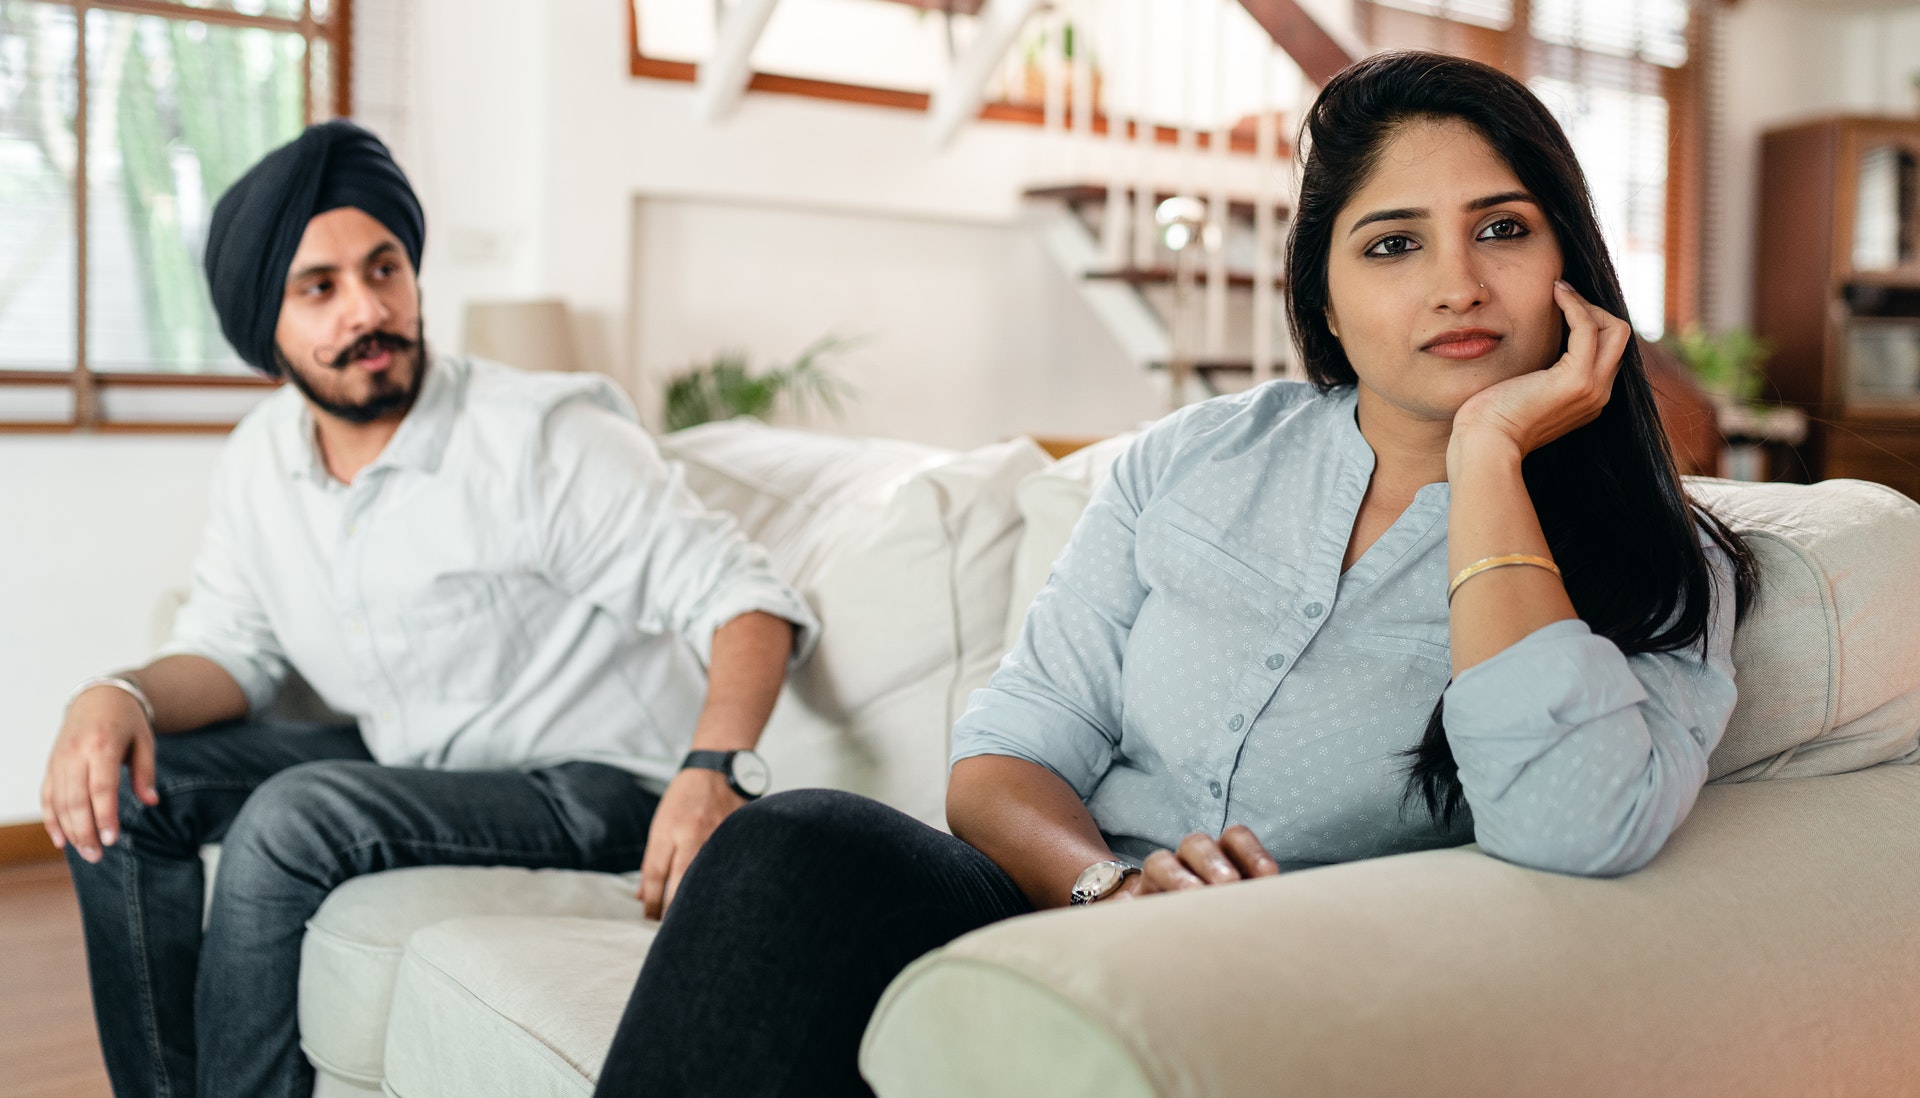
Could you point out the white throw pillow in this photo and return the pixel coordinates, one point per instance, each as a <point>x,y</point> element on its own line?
<point>906,555</point>
<point>1826,660</point>
<point>1050,504</point>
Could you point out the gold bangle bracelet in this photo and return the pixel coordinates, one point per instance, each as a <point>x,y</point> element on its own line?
<point>1491,563</point>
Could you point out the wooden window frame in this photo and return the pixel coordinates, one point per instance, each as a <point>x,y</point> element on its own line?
<point>1239,140</point>
<point>85,382</point>
<point>1684,230</point>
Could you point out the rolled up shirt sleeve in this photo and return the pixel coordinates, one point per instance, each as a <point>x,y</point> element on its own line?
<point>1056,699</point>
<point>1579,759</point>
<point>223,619</point>
<point>623,530</point>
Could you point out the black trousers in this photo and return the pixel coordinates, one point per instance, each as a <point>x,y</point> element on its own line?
<point>795,916</point>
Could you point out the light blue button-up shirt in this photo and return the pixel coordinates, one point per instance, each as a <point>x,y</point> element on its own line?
<point>1198,659</point>
<point>517,580</point>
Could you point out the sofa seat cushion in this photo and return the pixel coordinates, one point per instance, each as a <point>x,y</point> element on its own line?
<point>351,953</point>
<point>511,1006</point>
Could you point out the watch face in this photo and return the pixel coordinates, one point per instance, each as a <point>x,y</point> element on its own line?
<point>1098,880</point>
<point>750,773</point>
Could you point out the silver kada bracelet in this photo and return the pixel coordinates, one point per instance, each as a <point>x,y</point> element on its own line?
<point>118,683</point>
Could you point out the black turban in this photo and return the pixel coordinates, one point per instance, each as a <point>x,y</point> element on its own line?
<point>258,223</point>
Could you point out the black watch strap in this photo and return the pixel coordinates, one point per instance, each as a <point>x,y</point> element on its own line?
<point>722,761</point>
<point>708,760</point>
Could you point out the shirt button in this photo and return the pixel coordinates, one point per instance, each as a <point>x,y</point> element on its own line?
<point>1214,788</point>
<point>1274,661</point>
<point>355,626</point>
<point>352,528</point>
<point>1235,723</point>
<point>386,714</point>
<point>1314,609</point>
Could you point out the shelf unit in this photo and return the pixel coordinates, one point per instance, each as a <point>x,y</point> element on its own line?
<point>1837,291</point>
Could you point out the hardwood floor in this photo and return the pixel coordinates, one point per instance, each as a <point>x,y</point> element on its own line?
<point>47,1044</point>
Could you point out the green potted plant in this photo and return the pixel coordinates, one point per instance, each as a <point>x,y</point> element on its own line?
<point>726,386</point>
<point>1728,364</point>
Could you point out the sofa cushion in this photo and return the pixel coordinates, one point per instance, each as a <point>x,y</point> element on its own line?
<point>1826,661</point>
<point>905,554</point>
<point>351,953</point>
<point>1050,503</point>
<point>510,1006</point>
<point>1768,951</point>
<point>1828,671</point>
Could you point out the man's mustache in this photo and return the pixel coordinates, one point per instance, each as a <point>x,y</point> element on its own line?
<point>371,344</point>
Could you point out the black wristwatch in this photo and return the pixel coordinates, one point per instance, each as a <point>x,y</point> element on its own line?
<point>746,771</point>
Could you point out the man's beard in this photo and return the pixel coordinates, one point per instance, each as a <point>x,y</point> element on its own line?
<point>384,402</point>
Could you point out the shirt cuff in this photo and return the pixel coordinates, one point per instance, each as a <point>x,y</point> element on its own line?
<point>999,723</point>
<point>257,683</point>
<point>767,598</point>
<point>1557,677</point>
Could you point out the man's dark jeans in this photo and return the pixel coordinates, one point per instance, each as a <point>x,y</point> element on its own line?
<point>298,809</point>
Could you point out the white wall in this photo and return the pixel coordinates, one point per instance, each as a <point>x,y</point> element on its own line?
<point>95,531</point>
<point>967,332</point>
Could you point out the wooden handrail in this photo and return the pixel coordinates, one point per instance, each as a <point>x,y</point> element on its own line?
<point>1318,53</point>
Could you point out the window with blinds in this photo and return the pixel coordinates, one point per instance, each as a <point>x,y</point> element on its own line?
<point>1614,72</point>
<point>121,121</point>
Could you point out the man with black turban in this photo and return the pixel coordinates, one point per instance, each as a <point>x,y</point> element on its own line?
<point>524,617</point>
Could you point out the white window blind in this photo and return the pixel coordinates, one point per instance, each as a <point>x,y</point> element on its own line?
<point>1602,67</point>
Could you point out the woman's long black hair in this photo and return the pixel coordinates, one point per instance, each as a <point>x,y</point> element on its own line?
<point>1609,500</point>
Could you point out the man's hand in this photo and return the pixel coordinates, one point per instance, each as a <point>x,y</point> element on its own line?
<point>1202,861</point>
<point>693,805</point>
<point>80,798</point>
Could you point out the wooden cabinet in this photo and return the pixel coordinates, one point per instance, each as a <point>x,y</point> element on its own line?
<point>1837,291</point>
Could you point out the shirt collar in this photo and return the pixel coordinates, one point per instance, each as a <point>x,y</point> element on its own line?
<point>420,443</point>
<point>1355,447</point>
<point>1346,417</point>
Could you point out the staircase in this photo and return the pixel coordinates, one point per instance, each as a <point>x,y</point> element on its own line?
<point>1148,107</point>
<point>1212,320</point>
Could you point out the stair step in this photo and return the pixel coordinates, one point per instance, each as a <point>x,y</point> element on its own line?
<point>1164,276</point>
<point>1095,194</point>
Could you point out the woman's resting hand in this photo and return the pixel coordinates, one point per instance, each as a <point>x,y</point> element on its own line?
<point>1533,409</point>
<point>1203,860</point>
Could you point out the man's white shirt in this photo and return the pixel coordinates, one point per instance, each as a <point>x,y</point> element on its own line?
<point>518,580</point>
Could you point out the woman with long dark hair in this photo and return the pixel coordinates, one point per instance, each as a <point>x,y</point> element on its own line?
<point>1453,589</point>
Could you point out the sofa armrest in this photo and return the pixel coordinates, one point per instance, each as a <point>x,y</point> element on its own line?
<point>1770,949</point>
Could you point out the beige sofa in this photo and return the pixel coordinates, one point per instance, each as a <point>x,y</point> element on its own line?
<point>1773,948</point>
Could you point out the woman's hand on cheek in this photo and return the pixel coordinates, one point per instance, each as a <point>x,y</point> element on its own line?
<point>1202,860</point>
<point>1533,409</point>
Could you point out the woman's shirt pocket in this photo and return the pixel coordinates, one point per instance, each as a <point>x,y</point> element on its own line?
<point>1190,558</point>
<point>1422,644</point>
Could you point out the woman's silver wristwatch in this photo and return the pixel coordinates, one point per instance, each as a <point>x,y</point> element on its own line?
<point>1100,880</point>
